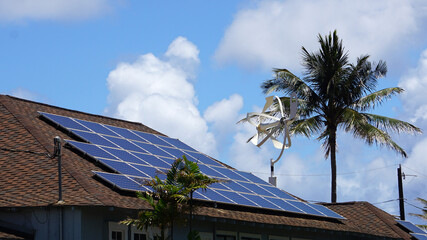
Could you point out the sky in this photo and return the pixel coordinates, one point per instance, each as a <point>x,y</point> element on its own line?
<point>192,69</point>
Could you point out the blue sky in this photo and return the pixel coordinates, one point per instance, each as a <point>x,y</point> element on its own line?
<point>192,69</point>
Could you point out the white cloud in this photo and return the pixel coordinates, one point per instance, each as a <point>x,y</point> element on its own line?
<point>158,93</point>
<point>27,94</point>
<point>17,10</point>
<point>415,85</point>
<point>224,114</point>
<point>271,34</point>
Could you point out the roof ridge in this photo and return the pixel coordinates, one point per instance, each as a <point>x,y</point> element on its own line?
<point>80,112</point>
<point>380,214</point>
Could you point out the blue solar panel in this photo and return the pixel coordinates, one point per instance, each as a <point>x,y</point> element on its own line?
<point>121,181</point>
<point>419,236</point>
<point>125,133</point>
<point>152,149</point>
<point>411,227</point>
<point>90,149</point>
<point>210,172</point>
<point>123,155</point>
<point>279,193</point>
<point>125,144</point>
<point>229,173</point>
<point>284,205</point>
<point>64,121</point>
<point>121,167</point>
<point>237,198</point>
<point>177,143</point>
<point>257,189</point>
<point>237,187</point>
<point>304,207</point>
<point>260,201</point>
<point>152,138</point>
<point>218,186</point>
<point>94,138</point>
<point>152,160</point>
<point>139,155</point>
<point>198,157</point>
<point>197,195</point>
<point>173,151</point>
<point>96,127</point>
<point>326,211</point>
<point>214,196</point>
<point>251,177</point>
<point>150,171</point>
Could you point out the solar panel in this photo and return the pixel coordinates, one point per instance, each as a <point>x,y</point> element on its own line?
<point>94,138</point>
<point>152,138</point>
<point>411,227</point>
<point>96,127</point>
<point>125,133</point>
<point>419,236</point>
<point>135,155</point>
<point>121,181</point>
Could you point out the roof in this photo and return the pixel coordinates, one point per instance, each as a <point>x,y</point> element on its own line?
<point>29,176</point>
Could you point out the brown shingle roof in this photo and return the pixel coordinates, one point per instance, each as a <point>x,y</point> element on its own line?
<point>29,176</point>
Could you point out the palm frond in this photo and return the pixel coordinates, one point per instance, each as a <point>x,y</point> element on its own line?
<point>288,83</point>
<point>391,124</point>
<point>307,127</point>
<point>359,125</point>
<point>376,98</point>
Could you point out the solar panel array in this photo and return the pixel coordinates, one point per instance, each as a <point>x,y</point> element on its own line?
<point>415,231</point>
<point>136,156</point>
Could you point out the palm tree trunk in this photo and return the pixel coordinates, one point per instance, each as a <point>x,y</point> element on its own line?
<point>332,143</point>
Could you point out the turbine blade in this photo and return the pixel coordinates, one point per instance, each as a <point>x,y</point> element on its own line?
<point>268,102</point>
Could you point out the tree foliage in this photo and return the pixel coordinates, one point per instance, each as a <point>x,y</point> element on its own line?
<point>423,215</point>
<point>336,94</point>
<point>171,198</point>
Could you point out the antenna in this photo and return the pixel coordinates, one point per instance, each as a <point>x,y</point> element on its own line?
<point>268,126</point>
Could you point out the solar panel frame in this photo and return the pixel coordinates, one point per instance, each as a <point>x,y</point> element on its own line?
<point>153,149</point>
<point>123,155</point>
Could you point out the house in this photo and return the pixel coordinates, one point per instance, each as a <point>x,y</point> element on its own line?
<point>90,207</point>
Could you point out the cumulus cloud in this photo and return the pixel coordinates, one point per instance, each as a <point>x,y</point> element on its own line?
<point>415,85</point>
<point>272,33</point>
<point>27,94</point>
<point>51,9</point>
<point>157,92</point>
<point>224,114</point>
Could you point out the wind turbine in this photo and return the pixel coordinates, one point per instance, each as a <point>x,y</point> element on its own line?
<point>267,125</point>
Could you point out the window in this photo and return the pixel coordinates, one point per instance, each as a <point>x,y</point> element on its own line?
<point>250,236</point>
<point>116,235</point>
<point>139,236</point>
<point>225,237</point>
<point>278,238</point>
<point>117,231</point>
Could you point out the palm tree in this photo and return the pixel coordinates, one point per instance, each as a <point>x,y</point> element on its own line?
<point>170,197</point>
<point>334,93</point>
<point>192,179</point>
<point>424,212</point>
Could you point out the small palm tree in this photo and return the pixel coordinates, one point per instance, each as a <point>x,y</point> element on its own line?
<point>336,94</point>
<point>170,197</point>
<point>424,212</point>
